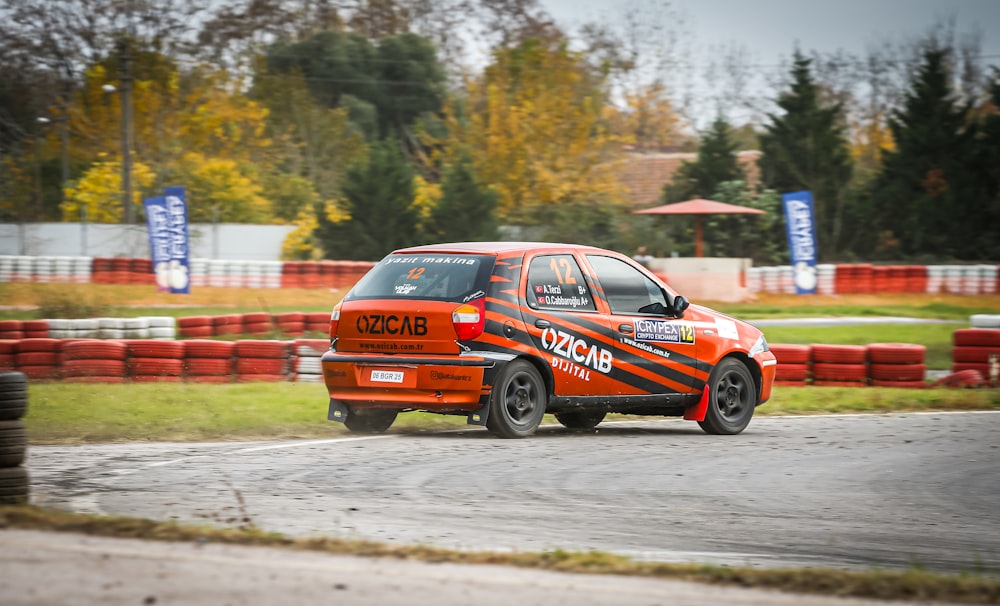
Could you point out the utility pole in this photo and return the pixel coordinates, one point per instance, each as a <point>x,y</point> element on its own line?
<point>125,77</point>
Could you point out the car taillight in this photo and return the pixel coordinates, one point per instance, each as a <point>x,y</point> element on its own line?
<point>469,319</point>
<point>334,320</point>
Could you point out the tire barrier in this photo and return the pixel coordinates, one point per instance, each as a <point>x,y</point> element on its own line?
<point>196,327</point>
<point>229,324</point>
<point>839,365</point>
<point>793,364</point>
<point>317,322</point>
<point>261,360</point>
<point>257,323</point>
<point>864,278</point>
<point>291,323</point>
<point>977,350</point>
<point>306,363</point>
<point>39,358</point>
<point>94,361</point>
<point>897,365</point>
<point>14,488</point>
<point>155,361</point>
<point>207,361</point>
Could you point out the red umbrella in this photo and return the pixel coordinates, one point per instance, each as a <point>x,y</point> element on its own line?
<point>699,207</point>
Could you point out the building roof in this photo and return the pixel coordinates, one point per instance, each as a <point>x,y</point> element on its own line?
<point>644,175</point>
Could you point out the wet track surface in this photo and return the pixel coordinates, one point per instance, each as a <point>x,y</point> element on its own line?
<point>886,491</point>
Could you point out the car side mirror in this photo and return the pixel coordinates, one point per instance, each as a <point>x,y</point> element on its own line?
<point>655,307</point>
<point>680,303</point>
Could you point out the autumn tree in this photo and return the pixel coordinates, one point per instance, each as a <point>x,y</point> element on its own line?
<point>466,209</point>
<point>533,126</point>
<point>716,163</point>
<point>805,148</point>
<point>379,214</point>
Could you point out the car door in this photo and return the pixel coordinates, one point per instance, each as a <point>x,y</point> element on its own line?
<point>564,324</point>
<point>654,351</point>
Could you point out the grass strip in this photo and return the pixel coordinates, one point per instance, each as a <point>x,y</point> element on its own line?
<point>911,585</point>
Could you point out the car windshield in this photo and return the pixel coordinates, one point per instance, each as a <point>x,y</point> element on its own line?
<point>446,277</point>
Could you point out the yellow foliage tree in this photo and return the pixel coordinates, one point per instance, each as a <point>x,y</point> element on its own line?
<point>535,131</point>
<point>300,243</point>
<point>100,192</point>
<point>223,189</point>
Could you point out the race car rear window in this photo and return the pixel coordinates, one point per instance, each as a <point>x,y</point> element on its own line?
<point>442,277</point>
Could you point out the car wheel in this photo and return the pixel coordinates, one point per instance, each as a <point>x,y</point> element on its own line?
<point>517,402</point>
<point>580,419</point>
<point>370,421</point>
<point>731,399</point>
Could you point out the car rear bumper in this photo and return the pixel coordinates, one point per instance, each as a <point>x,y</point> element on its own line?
<point>432,383</point>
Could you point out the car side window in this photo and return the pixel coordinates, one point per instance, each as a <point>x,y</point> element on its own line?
<point>556,282</point>
<point>627,290</point>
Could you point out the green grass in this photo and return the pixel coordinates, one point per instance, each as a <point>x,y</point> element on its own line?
<point>75,413</point>
<point>912,586</point>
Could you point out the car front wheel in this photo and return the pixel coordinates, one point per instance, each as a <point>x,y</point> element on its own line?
<point>731,399</point>
<point>517,402</point>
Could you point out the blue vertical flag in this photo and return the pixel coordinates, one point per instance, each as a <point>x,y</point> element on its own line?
<point>801,223</point>
<point>166,217</point>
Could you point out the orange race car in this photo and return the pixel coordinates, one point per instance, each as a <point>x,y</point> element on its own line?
<point>503,332</point>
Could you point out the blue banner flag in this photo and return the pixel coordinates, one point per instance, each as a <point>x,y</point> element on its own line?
<point>167,220</point>
<point>801,223</point>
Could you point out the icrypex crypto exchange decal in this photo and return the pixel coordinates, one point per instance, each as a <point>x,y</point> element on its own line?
<point>574,349</point>
<point>663,331</point>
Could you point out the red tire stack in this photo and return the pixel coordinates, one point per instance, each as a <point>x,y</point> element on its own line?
<point>256,323</point>
<point>121,270</point>
<point>839,365</point>
<point>317,322</point>
<point>229,324</point>
<point>291,274</point>
<point>793,364</point>
<point>193,327</point>
<point>94,361</point>
<point>8,354</point>
<point>309,277</point>
<point>207,361</point>
<point>261,360</point>
<point>11,329</point>
<point>897,365</point>
<point>155,361</point>
<point>100,271</point>
<point>972,349</point>
<point>39,359</point>
<point>291,323</point>
<point>35,329</point>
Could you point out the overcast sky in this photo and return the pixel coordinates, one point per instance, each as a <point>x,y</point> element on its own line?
<point>768,29</point>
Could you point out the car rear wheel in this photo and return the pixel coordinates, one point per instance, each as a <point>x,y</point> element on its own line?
<point>580,419</point>
<point>370,421</point>
<point>731,399</point>
<point>518,401</point>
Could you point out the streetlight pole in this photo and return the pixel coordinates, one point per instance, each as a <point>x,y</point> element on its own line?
<point>125,76</point>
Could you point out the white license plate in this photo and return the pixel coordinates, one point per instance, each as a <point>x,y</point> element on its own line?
<point>387,376</point>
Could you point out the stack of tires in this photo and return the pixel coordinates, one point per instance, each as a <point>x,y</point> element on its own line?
<point>208,361</point>
<point>793,364</point>
<point>839,365</point>
<point>897,365</point>
<point>291,323</point>
<point>317,321</point>
<point>261,360</point>
<point>308,368</point>
<point>39,358</point>
<point>155,361</point>
<point>257,323</point>
<point>13,438</point>
<point>974,348</point>
<point>94,361</point>
<point>194,327</point>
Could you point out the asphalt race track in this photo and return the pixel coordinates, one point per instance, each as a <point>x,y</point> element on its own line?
<point>856,491</point>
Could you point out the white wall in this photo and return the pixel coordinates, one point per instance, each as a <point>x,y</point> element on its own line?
<point>224,241</point>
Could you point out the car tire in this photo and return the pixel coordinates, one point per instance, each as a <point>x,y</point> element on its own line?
<point>370,421</point>
<point>517,402</point>
<point>13,485</point>
<point>731,399</point>
<point>580,419</point>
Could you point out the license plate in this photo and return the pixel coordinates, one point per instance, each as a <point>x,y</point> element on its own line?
<point>387,376</point>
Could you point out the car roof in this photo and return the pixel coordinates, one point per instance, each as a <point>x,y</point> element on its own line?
<point>494,247</point>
